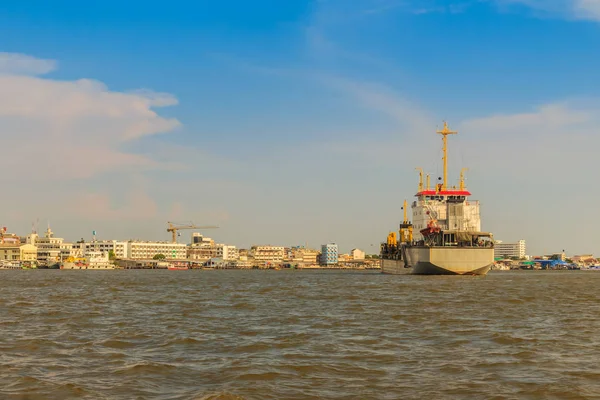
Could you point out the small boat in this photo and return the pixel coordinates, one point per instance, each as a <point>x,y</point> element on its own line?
<point>176,268</point>
<point>11,265</point>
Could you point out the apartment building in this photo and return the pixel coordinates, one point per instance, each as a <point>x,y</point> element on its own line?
<point>267,254</point>
<point>119,249</point>
<point>329,254</point>
<point>509,250</point>
<point>227,252</point>
<point>138,250</point>
<point>357,254</point>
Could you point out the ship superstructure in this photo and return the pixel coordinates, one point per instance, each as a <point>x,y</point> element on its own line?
<point>445,235</point>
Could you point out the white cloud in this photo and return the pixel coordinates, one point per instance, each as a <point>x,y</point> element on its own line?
<point>534,173</point>
<point>382,99</point>
<point>22,64</point>
<point>571,9</point>
<point>76,129</point>
<point>545,121</point>
<point>332,13</point>
<point>74,142</point>
<point>587,9</point>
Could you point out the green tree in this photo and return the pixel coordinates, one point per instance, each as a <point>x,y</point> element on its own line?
<point>159,257</point>
<point>111,255</point>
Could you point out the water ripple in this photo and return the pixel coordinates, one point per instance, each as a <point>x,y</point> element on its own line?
<point>238,335</point>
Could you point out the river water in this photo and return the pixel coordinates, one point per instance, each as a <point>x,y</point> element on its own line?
<point>156,334</point>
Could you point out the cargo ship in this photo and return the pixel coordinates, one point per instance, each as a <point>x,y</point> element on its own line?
<point>444,236</point>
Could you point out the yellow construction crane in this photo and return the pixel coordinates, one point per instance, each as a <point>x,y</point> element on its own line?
<point>173,228</point>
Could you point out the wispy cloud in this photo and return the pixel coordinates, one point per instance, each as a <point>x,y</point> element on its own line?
<point>533,167</point>
<point>570,9</point>
<point>77,127</point>
<point>382,99</point>
<point>587,9</point>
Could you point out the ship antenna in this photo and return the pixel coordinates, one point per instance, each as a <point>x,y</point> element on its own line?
<point>445,132</point>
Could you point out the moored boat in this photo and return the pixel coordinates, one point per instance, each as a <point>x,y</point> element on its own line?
<point>91,260</point>
<point>448,240</point>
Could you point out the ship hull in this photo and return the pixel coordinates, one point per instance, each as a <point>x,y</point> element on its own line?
<point>441,261</point>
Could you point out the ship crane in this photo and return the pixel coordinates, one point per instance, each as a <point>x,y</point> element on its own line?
<point>174,228</point>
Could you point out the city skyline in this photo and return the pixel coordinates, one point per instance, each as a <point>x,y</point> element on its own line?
<point>301,124</point>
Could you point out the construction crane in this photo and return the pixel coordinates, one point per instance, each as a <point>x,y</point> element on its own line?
<point>173,228</point>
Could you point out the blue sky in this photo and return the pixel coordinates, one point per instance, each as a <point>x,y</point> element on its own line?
<point>298,122</point>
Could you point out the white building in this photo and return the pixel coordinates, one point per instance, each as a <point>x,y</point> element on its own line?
<point>227,252</point>
<point>202,248</point>
<point>147,250</point>
<point>267,254</point>
<point>51,249</point>
<point>120,249</point>
<point>310,257</point>
<point>358,254</point>
<point>509,250</point>
<point>200,240</point>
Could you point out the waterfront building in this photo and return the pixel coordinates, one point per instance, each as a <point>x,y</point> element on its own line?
<point>243,261</point>
<point>344,258</point>
<point>509,250</point>
<point>18,252</point>
<point>357,254</point>
<point>557,256</point>
<point>329,254</point>
<point>585,259</point>
<point>138,250</point>
<point>300,255</point>
<point>310,257</point>
<point>119,249</point>
<point>198,240</point>
<point>27,252</point>
<point>9,238</point>
<point>201,253</point>
<point>202,248</point>
<point>10,251</point>
<point>51,249</point>
<point>226,252</point>
<point>267,254</point>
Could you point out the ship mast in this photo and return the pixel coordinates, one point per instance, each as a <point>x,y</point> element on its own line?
<point>406,228</point>
<point>420,180</point>
<point>445,132</point>
<point>462,178</point>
